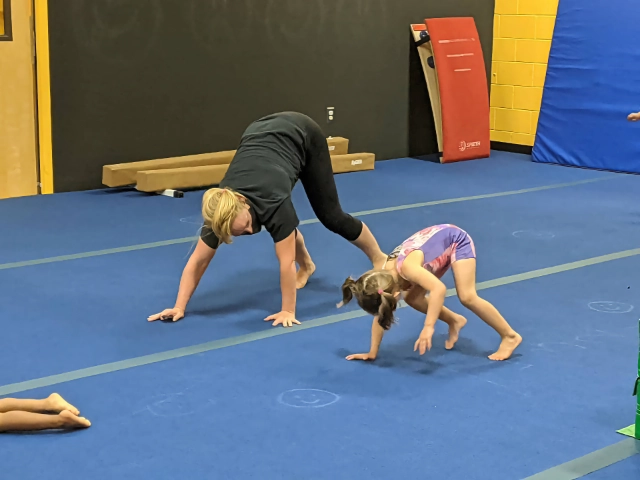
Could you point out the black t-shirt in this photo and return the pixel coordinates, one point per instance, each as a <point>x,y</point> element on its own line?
<point>265,169</point>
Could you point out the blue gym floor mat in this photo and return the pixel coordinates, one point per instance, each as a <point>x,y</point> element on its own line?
<point>70,223</point>
<point>292,407</point>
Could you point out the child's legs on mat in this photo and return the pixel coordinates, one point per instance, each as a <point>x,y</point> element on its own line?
<point>464,272</point>
<point>27,421</point>
<point>416,298</point>
<point>24,405</point>
<point>53,403</point>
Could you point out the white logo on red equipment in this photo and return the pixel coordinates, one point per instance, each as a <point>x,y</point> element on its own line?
<point>464,145</point>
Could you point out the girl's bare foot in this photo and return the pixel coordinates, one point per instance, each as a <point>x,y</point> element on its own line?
<point>507,346</point>
<point>55,403</point>
<point>454,331</point>
<point>69,420</point>
<point>304,272</point>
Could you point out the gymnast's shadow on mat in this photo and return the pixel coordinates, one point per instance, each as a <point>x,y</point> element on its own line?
<point>228,295</point>
<point>123,191</point>
<point>43,433</point>
<point>401,356</point>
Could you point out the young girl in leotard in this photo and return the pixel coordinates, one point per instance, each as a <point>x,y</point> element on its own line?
<point>414,269</point>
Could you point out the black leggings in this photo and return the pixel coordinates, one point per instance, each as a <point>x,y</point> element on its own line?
<point>318,182</point>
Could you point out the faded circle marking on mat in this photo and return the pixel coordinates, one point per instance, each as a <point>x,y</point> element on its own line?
<point>307,398</point>
<point>177,404</point>
<point>610,307</point>
<point>533,234</point>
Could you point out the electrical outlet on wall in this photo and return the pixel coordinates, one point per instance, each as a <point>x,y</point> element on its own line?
<point>331,113</point>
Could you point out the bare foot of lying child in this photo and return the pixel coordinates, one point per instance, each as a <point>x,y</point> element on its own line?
<point>53,412</point>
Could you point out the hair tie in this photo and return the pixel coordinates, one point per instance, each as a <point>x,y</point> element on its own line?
<point>380,291</point>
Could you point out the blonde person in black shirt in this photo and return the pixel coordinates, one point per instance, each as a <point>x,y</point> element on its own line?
<point>274,153</point>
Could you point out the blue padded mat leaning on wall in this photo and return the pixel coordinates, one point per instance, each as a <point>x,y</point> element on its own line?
<point>592,85</point>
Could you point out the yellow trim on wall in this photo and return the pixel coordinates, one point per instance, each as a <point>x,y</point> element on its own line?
<point>523,30</point>
<point>43,79</point>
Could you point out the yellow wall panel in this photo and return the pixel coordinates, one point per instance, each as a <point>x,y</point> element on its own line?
<point>537,7</point>
<point>517,26</point>
<point>533,51</point>
<point>523,139</point>
<point>523,32</point>
<point>512,73</point>
<point>506,7</point>
<point>534,122</point>
<point>502,96</point>
<point>544,27</point>
<point>518,121</point>
<point>497,136</point>
<point>539,75</point>
<point>527,98</point>
<point>504,49</point>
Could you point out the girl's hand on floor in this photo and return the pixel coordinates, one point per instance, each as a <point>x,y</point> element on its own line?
<point>424,341</point>
<point>173,314</point>
<point>287,319</point>
<point>361,356</point>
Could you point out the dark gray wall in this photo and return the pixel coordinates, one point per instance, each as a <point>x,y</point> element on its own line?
<point>144,79</point>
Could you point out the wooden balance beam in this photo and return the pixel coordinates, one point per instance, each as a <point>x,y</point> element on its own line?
<point>123,174</point>
<point>204,176</point>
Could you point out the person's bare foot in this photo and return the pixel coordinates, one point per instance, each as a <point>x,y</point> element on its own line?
<point>55,403</point>
<point>304,272</point>
<point>69,420</point>
<point>454,331</point>
<point>507,346</point>
<point>634,117</point>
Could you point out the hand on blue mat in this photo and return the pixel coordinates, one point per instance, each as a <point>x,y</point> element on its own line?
<point>173,314</point>
<point>424,341</point>
<point>287,319</point>
<point>361,356</point>
<point>634,117</point>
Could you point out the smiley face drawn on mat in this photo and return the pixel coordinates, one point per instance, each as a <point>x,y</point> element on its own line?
<point>610,307</point>
<point>307,398</point>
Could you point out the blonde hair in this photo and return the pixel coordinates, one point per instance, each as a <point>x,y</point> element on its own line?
<point>220,207</point>
<point>374,292</point>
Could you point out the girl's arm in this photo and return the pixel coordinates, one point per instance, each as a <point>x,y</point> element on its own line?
<point>413,271</point>
<point>377,332</point>
<point>286,253</point>
<point>191,276</point>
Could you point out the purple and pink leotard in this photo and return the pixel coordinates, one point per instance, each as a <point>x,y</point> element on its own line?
<point>441,245</point>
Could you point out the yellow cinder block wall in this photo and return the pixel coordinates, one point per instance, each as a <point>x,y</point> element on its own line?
<point>522,35</point>
<point>1,17</point>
